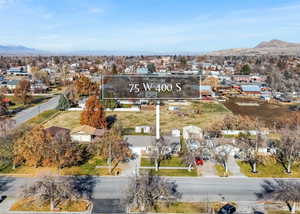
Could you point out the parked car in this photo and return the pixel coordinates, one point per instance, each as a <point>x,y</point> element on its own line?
<point>227,209</point>
<point>199,161</point>
<point>2,198</point>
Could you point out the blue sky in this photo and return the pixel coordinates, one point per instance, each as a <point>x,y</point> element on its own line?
<point>147,25</point>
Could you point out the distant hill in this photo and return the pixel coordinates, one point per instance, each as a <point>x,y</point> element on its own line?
<point>277,44</point>
<point>273,47</point>
<point>19,50</point>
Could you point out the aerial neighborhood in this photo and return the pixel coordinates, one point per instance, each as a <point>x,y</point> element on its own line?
<point>156,107</point>
<point>243,124</point>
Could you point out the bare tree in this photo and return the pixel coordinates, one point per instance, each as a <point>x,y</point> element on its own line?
<point>189,157</point>
<point>159,151</point>
<point>147,189</point>
<point>288,148</point>
<point>222,156</point>
<point>282,190</point>
<point>53,190</point>
<point>6,125</point>
<point>250,148</point>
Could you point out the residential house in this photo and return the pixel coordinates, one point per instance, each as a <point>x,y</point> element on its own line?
<point>86,133</point>
<point>143,144</point>
<point>249,78</point>
<point>206,91</point>
<point>192,132</point>
<point>55,130</point>
<point>10,84</point>
<point>251,90</point>
<point>18,71</point>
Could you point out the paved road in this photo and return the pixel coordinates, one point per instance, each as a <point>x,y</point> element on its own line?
<point>193,189</point>
<point>29,113</point>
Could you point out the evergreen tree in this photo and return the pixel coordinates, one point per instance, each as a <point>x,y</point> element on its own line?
<point>63,103</point>
<point>246,70</point>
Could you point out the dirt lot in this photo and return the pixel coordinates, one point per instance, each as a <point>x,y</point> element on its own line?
<point>267,112</point>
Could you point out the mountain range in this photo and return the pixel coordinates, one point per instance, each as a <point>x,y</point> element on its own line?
<point>273,47</point>
<point>25,51</point>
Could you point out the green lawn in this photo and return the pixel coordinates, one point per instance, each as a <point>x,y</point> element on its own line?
<point>221,171</point>
<point>173,172</point>
<point>272,170</point>
<point>187,207</point>
<point>174,161</point>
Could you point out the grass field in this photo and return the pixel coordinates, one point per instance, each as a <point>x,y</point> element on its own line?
<point>210,112</point>
<point>173,172</point>
<point>174,161</point>
<point>272,170</point>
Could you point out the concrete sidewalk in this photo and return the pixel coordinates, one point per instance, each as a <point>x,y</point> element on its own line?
<point>6,204</point>
<point>234,168</point>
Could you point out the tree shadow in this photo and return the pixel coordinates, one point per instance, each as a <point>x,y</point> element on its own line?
<point>5,184</point>
<point>85,185</point>
<point>110,120</point>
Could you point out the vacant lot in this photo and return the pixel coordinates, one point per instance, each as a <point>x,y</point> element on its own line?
<point>199,114</point>
<point>267,112</point>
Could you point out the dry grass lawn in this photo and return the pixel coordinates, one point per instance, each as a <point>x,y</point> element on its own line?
<point>210,112</point>
<point>29,205</point>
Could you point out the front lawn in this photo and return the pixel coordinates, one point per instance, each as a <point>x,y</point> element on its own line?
<point>272,170</point>
<point>188,207</point>
<point>173,162</point>
<point>42,117</point>
<point>28,205</point>
<point>221,171</point>
<point>173,172</point>
<point>88,168</point>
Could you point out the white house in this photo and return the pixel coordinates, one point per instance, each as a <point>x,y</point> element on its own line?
<point>142,129</point>
<point>175,132</point>
<point>86,133</point>
<point>192,132</point>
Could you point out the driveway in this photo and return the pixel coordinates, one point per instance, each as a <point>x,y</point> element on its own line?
<point>234,168</point>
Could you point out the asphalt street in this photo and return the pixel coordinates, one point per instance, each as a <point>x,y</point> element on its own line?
<point>29,113</point>
<point>192,189</point>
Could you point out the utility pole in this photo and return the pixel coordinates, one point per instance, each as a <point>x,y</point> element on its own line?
<point>110,165</point>
<point>157,120</point>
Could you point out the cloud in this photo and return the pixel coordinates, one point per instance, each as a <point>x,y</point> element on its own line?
<point>96,10</point>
